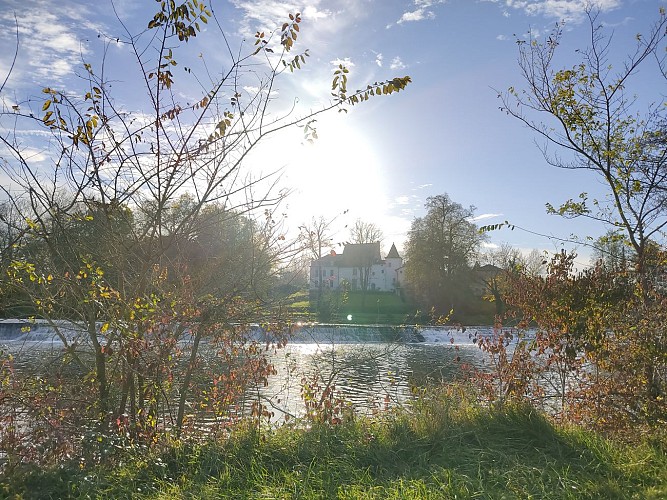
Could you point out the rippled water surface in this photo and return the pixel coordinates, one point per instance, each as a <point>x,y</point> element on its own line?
<point>370,367</point>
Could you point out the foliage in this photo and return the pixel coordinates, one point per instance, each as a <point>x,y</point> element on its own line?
<point>144,235</point>
<point>446,446</point>
<point>613,252</point>
<point>440,251</point>
<point>612,346</point>
<point>588,348</point>
<point>592,116</point>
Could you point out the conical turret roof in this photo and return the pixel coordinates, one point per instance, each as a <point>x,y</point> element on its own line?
<point>393,253</point>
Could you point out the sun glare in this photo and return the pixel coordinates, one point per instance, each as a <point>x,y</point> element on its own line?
<point>339,171</point>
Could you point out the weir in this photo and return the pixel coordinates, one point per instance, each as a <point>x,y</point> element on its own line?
<point>38,330</point>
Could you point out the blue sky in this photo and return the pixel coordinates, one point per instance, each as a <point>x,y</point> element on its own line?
<point>444,134</point>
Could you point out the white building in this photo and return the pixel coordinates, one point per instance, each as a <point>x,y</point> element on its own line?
<point>356,262</point>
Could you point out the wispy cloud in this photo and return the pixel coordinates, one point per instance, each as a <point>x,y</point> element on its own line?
<point>396,63</point>
<point>402,200</point>
<point>484,216</point>
<point>378,59</point>
<point>347,62</point>
<point>52,41</point>
<point>421,10</point>
<point>264,14</point>
<point>566,10</point>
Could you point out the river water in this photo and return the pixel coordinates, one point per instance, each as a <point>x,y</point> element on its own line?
<point>370,367</point>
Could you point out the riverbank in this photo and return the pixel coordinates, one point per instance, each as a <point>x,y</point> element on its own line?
<point>443,447</point>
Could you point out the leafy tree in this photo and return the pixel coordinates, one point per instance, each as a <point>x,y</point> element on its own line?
<point>134,230</point>
<point>590,112</point>
<point>509,261</point>
<point>613,252</point>
<point>505,260</point>
<point>441,248</point>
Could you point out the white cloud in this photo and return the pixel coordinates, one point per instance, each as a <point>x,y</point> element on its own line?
<point>624,22</point>
<point>378,60</point>
<point>52,41</point>
<point>421,11</point>
<point>347,62</point>
<point>501,37</point>
<point>566,10</point>
<point>396,63</point>
<point>263,15</point>
<point>33,155</point>
<point>402,200</point>
<point>484,216</point>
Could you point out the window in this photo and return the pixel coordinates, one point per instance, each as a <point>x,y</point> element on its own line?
<point>354,271</point>
<point>331,273</point>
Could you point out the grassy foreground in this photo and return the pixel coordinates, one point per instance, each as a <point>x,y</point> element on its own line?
<point>444,448</point>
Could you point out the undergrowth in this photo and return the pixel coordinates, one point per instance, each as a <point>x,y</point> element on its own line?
<point>444,446</point>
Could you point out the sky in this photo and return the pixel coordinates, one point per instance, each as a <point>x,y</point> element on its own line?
<point>380,161</point>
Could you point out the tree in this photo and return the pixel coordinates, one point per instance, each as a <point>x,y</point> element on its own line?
<point>368,235</point>
<point>315,237</point>
<point>441,248</point>
<point>365,232</point>
<point>593,117</point>
<point>613,252</point>
<point>504,260</point>
<point>592,114</point>
<point>142,215</point>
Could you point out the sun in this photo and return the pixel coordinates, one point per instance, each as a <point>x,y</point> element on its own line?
<point>340,171</point>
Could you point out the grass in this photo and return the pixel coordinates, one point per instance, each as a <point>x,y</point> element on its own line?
<point>444,447</point>
<point>388,308</point>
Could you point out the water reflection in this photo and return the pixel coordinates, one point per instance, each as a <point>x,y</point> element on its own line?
<point>371,368</point>
<point>369,376</point>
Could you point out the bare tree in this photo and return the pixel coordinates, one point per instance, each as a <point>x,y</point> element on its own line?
<point>591,114</point>
<point>365,232</point>
<point>105,223</point>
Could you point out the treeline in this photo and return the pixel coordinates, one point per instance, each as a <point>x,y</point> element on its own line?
<point>53,263</point>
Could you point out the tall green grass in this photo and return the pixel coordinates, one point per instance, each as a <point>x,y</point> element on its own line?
<point>444,446</point>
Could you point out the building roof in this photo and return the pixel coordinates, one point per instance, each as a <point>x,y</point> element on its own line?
<point>361,254</point>
<point>393,253</point>
<point>357,255</point>
<point>354,255</point>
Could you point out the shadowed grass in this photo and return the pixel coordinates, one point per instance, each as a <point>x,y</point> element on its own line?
<point>444,447</point>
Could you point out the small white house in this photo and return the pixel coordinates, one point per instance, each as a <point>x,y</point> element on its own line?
<point>357,263</point>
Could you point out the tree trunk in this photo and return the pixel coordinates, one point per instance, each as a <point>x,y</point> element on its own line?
<point>185,386</point>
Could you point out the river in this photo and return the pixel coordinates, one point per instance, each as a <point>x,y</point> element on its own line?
<point>369,367</point>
